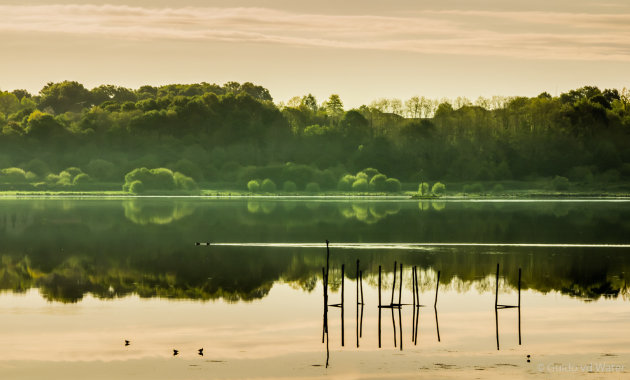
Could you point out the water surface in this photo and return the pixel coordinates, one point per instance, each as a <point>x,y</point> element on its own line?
<point>81,276</point>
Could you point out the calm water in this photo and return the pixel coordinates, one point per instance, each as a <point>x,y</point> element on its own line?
<point>78,277</point>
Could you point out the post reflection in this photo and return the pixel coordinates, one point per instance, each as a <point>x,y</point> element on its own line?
<point>397,304</point>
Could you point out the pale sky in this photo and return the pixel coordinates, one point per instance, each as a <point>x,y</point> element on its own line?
<point>359,49</point>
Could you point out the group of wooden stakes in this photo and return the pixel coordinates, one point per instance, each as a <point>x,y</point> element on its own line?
<point>397,304</point>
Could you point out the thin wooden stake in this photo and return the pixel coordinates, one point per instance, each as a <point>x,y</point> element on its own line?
<point>342,303</point>
<point>400,286</point>
<point>496,295</point>
<point>361,283</point>
<point>437,287</point>
<point>394,283</point>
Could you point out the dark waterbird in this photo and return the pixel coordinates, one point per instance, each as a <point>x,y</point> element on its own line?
<point>200,351</point>
<point>126,342</point>
<point>175,352</point>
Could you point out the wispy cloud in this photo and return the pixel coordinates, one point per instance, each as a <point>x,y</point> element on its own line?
<point>537,35</point>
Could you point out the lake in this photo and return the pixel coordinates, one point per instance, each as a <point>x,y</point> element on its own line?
<point>81,276</point>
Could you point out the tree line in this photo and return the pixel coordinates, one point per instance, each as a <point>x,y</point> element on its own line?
<point>224,133</point>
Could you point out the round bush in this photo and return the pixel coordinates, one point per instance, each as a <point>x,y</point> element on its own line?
<point>289,186</point>
<point>344,184</point>
<point>360,185</point>
<point>136,187</point>
<point>560,183</point>
<point>74,171</point>
<point>370,172</point>
<point>423,188</point>
<point>13,175</point>
<point>438,188</point>
<point>253,186</point>
<point>268,186</point>
<point>81,179</point>
<point>101,169</point>
<point>377,183</point>
<point>361,175</point>
<point>498,188</point>
<point>392,185</point>
<point>184,182</point>
<point>312,187</point>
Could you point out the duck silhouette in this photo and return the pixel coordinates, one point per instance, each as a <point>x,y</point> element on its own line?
<point>175,352</point>
<point>200,351</point>
<point>126,342</point>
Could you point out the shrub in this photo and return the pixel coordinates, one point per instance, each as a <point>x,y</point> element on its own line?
<point>560,183</point>
<point>438,188</point>
<point>188,168</point>
<point>498,188</point>
<point>81,179</point>
<point>30,176</point>
<point>289,186</point>
<point>38,167</point>
<point>423,189</point>
<point>153,179</point>
<point>268,186</point>
<point>475,188</point>
<point>344,184</point>
<point>371,172</point>
<point>377,183</point>
<point>392,185</point>
<point>325,178</point>
<point>101,169</point>
<point>183,182</point>
<point>159,179</point>
<point>312,187</point>
<point>253,186</point>
<point>73,171</point>
<point>361,175</point>
<point>360,185</point>
<point>136,187</point>
<point>12,175</point>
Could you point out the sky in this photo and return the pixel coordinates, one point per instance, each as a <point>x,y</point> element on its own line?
<point>360,49</point>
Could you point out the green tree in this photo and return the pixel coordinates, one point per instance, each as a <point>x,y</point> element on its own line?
<point>253,186</point>
<point>268,186</point>
<point>438,188</point>
<point>65,96</point>
<point>392,185</point>
<point>423,189</point>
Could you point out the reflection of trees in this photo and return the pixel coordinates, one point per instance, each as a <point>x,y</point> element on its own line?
<point>141,212</point>
<point>69,249</point>
<point>368,212</point>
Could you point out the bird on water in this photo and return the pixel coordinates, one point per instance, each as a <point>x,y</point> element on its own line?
<point>126,342</point>
<point>175,352</point>
<point>200,351</point>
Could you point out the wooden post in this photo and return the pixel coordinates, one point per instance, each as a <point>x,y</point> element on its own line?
<point>357,282</point>
<point>496,295</point>
<point>379,306</point>
<point>519,288</point>
<point>394,325</point>
<point>437,287</point>
<point>361,284</point>
<point>413,294</point>
<point>496,318</point>
<point>394,284</point>
<point>400,327</point>
<point>415,272</point>
<point>379,287</point>
<point>342,303</point>
<point>400,287</point>
<point>437,324</point>
<point>519,306</point>
<point>325,302</point>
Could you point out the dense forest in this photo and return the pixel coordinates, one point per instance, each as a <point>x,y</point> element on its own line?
<point>70,135</point>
